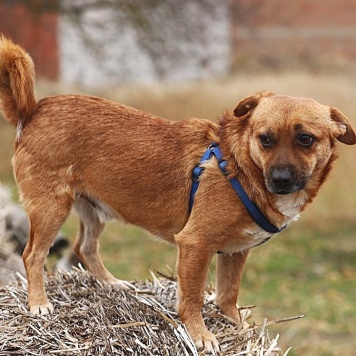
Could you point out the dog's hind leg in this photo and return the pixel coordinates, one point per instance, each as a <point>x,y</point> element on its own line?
<point>46,215</point>
<point>86,245</point>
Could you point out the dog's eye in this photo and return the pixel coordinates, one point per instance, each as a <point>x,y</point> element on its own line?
<point>306,140</point>
<point>265,140</point>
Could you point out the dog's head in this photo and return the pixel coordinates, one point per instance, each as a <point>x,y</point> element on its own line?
<point>290,140</point>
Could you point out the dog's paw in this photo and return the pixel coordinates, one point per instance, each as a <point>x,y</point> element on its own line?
<point>236,314</point>
<point>206,342</point>
<point>42,309</point>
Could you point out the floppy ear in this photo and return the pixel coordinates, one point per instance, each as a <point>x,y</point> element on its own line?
<point>344,131</point>
<point>249,103</point>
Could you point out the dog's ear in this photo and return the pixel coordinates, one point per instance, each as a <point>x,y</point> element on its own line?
<point>246,105</point>
<point>342,127</point>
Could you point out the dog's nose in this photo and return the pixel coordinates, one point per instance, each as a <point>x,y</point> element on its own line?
<point>282,179</point>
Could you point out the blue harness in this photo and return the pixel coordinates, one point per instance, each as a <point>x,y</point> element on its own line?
<point>214,150</point>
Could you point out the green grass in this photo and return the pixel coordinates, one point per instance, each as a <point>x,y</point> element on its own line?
<point>309,269</point>
<point>310,272</point>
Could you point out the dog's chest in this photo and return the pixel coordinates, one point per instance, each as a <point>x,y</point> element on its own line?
<point>256,236</point>
<point>249,238</point>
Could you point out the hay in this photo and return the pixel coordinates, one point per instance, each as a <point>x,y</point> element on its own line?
<point>94,318</point>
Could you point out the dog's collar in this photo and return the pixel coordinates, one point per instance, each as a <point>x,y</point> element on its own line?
<point>260,219</point>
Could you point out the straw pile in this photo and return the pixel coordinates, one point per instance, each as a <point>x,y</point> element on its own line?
<point>93,318</point>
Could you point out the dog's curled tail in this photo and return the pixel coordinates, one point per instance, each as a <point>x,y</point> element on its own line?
<point>17,76</point>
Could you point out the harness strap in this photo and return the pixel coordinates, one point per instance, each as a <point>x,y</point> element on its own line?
<point>214,150</point>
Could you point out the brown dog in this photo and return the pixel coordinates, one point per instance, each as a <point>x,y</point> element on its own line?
<point>110,161</point>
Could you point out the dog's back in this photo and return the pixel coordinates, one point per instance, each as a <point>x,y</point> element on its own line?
<point>74,145</point>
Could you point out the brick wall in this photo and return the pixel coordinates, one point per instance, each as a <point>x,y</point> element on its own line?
<point>302,30</point>
<point>37,31</point>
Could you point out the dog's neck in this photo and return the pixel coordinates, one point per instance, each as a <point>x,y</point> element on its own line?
<point>291,205</point>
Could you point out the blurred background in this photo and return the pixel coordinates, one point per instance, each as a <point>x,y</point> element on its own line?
<point>180,59</point>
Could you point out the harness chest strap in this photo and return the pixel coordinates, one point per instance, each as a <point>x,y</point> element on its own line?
<point>260,219</point>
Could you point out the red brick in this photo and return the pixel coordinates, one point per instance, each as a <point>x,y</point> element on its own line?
<point>36,31</point>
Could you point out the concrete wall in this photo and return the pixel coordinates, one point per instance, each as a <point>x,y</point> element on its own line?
<point>121,57</point>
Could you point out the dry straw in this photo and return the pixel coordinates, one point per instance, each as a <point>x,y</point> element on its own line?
<point>94,318</point>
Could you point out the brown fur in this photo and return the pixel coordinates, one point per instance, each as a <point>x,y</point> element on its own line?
<point>112,161</point>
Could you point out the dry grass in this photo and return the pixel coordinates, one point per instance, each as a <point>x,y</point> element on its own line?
<point>93,318</point>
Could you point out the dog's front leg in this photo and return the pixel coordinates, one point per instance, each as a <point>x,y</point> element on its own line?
<point>192,266</point>
<point>229,274</point>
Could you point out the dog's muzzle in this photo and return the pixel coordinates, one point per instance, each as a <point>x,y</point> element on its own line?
<point>284,180</point>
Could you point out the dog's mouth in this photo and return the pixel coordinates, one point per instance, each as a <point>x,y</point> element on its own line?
<point>272,189</point>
